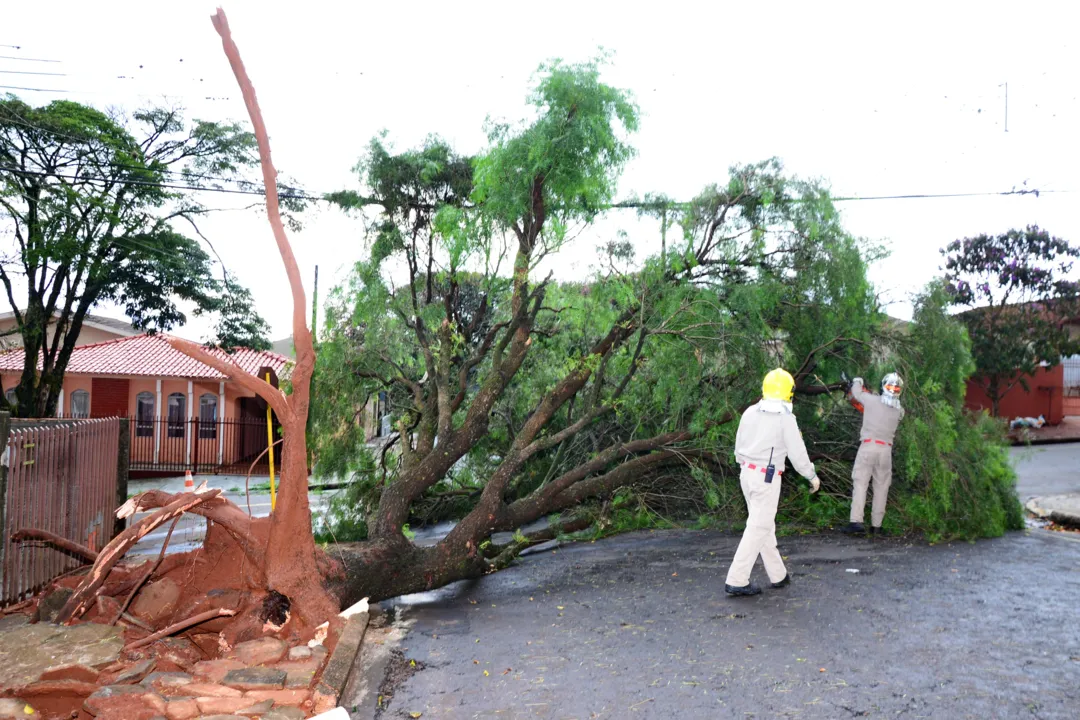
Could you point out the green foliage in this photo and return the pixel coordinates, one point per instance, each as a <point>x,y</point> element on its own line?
<point>952,469</point>
<point>755,272</point>
<point>344,520</point>
<point>1016,288</point>
<point>573,151</point>
<point>86,197</point>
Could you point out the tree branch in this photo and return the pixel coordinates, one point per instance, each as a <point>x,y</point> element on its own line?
<point>273,396</point>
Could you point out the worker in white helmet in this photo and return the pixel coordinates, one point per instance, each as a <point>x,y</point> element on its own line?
<point>768,434</point>
<point>881,416</point>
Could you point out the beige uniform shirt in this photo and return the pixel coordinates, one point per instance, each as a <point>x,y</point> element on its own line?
<point>879,420</point>
<point>770,426</point>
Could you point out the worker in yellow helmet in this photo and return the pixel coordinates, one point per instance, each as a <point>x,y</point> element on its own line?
<point>767,436</point>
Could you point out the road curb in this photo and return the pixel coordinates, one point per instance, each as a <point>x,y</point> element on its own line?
<point>1016,442</point>
<point>1061,518</point>
<point>336,673</point>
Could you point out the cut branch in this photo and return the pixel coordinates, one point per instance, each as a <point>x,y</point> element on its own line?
<point>56,541</point>
<point>182,625</point>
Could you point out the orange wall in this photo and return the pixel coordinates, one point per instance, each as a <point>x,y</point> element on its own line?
<point>231,409</point>
<point>1044,397</point>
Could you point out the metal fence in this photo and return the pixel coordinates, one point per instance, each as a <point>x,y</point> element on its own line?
<point>61,477</point>
<point>221,446</point>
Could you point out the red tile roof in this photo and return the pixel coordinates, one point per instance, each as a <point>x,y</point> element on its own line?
<point>150,356</point>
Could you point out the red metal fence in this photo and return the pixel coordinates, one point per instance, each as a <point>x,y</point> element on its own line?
<point>61,476</point>
<point>222,446</point>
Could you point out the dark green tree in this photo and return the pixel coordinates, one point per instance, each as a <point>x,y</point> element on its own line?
<point>1018,296</point>
<point>91,205</point>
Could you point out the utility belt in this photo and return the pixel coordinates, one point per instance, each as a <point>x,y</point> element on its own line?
<point>762,468</point>
<point>877,442</point>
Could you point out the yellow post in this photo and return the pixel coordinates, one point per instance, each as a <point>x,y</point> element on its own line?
<point>270,445</point>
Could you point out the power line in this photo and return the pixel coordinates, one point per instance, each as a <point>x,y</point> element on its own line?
<point>614,206</point>
<point>146,183</point>
<point>14,57</point>
<point>31,89</point>
<point>1036,193</point>
<point>626,205</point>
<point>29,72</point>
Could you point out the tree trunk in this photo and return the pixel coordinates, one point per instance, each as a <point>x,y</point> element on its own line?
<point>380,569</point>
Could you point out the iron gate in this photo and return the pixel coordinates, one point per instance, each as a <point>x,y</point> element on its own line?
<point>61,477</point>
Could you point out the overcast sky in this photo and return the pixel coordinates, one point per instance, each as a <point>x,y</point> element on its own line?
<point>874,98</point>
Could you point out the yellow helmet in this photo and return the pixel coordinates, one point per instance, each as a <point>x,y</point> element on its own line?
<point>778,385</point>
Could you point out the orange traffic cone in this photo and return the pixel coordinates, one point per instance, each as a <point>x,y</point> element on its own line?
<point>189,484</point>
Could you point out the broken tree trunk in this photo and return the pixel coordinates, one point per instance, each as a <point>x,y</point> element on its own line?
<point>244,561</point>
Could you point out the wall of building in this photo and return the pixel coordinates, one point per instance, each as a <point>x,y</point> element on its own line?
<point>87,336</point>
<point>1043,397</point>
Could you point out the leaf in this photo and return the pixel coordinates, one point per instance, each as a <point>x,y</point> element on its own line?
<point>486,673</point>
<point>415,714</point>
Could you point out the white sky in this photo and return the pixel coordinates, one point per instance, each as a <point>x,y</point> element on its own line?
<point>876,98</point>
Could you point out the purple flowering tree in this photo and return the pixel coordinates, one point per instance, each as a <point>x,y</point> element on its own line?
<point>1019,295</point>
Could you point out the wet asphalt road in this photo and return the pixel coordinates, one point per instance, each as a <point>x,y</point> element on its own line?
<point>639,627</point>
<point>1046,470</point>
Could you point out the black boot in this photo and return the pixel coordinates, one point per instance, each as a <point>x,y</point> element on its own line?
<point>874,531</point>
<point>853,529</point>
<point>750,589</point>
<point>783,583</point>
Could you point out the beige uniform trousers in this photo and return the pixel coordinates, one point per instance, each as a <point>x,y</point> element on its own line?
<point>759,537</point>
<point>874,461</point>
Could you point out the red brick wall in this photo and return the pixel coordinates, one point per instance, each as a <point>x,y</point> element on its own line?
<point>1044,397</point>
<point>109,398</point>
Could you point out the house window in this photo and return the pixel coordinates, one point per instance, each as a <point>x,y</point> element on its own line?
<point>10,395</point>
<point>144,414</point>
<point>177,415</point>
<point>80,404</point>
<point>208,416</point>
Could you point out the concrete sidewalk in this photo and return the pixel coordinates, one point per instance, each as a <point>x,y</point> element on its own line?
<point>1061,509</point>
<point>1068,431</point>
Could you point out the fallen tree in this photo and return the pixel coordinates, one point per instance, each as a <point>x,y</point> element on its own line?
<point>518,398</point>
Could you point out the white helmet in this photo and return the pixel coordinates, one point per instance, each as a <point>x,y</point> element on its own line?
<point>891,387</point>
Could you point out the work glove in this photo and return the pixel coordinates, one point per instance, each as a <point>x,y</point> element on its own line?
<point>846,382</point>
<point>815,484</point>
